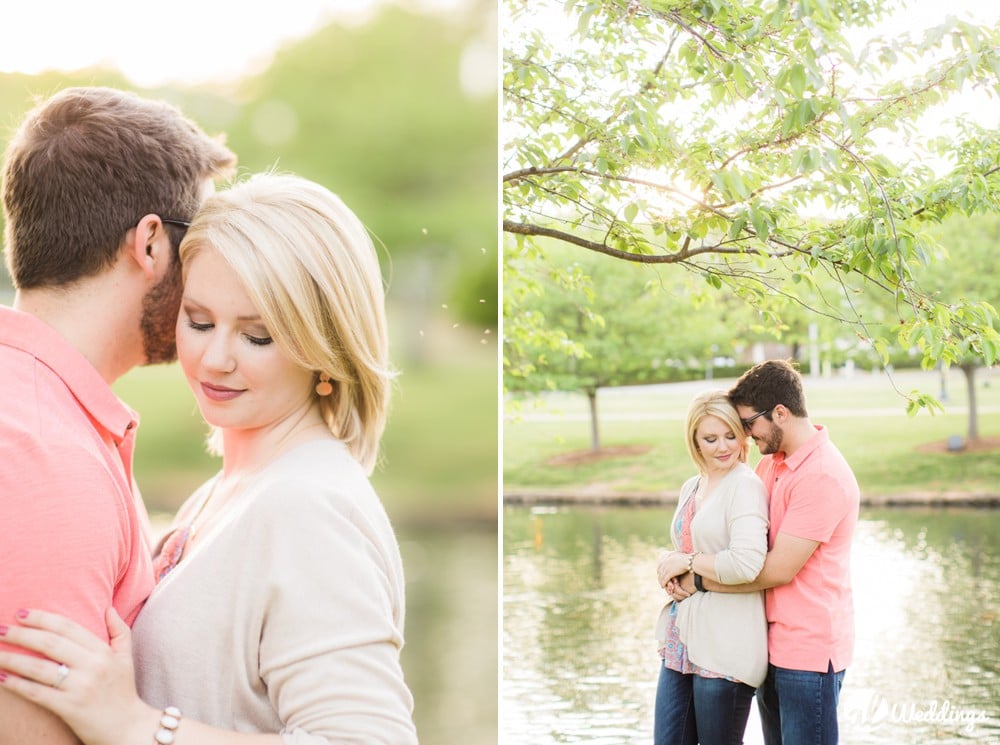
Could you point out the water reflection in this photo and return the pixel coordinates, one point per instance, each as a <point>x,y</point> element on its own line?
<point>450,657</point>
<point>580,600</point>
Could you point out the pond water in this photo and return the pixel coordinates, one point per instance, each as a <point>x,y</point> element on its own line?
<point>580,599</point>
<point>450,655</point>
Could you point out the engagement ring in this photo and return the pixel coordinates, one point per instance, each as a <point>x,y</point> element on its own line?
<point>61,674</point>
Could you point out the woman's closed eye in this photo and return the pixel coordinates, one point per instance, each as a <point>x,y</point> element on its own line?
<point>257,338</point>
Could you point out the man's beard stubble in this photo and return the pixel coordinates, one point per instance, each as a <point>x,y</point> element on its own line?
<point>159,316</point>
<point>771,443</point>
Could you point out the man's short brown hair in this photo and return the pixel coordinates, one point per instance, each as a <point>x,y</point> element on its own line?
<point>84,167</point>
<point>768,384</point>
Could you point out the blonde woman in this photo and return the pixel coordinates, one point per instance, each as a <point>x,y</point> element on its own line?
<point>713,645</point>
<point>278,612</point>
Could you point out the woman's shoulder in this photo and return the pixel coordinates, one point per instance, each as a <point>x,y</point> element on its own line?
<point>318,473</point>
<point>742,480</point>
<point>747,483</point>
<point>324,461</point>
<point>744,473</point>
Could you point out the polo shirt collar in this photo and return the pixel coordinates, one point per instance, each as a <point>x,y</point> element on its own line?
<point>30,334</point>
<point>809,447</point>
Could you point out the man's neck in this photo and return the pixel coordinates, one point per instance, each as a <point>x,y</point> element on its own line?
<point>796,434</point>
<point>90,319</point>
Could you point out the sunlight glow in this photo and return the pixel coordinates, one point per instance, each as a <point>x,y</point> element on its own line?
<point>183,42</point>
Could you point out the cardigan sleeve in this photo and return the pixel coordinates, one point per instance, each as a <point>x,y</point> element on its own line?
<point>746,518</point>
<point>332,629</point>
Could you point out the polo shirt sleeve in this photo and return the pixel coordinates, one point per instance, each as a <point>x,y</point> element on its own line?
<point>330,643</point>
<point>820,504</point>
<point>63,533</point>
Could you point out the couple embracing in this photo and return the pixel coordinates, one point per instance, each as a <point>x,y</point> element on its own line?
<point>272,612</point>
<point>759,578</point>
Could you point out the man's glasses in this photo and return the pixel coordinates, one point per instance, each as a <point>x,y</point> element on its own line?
<point>184,224</point>
<point>748,423</point>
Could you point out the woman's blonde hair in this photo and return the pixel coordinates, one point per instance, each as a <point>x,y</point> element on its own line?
<point>712,403</point>
<point>311,271</point>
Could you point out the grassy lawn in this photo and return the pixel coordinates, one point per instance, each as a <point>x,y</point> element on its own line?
<point>439,450</point>
<point>865,416</point>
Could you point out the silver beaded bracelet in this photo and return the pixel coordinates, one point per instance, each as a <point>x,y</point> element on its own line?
<point>169,721</point>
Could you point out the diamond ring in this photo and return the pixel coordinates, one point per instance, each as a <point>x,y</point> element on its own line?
<point>62,672</point>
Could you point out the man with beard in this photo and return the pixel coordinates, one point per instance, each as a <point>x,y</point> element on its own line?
<point>813,501</point>
<point>98,187</point>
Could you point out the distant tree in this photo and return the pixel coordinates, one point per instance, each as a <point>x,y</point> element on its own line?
<point>614,326</point>
<point>378,113</point>
<point>748,143</point>
<point>972,246</point>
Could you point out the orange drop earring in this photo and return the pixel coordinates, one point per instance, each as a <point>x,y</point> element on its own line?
<point>324,387</point>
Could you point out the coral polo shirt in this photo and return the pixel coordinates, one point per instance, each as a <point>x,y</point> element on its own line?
<point>813,495</point>
<point>73,530</point>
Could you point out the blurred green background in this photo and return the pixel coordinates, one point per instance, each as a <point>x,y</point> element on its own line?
<point>393,115</point>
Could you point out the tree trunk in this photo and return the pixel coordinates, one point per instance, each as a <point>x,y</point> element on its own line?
<point>595,442</point>
<point>970,385</point>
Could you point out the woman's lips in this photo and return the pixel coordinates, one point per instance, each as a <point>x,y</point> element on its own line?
<point>219,392</point>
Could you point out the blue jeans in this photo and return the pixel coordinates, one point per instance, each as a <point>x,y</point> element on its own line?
<point>799,707</point>
<point>691,709</point>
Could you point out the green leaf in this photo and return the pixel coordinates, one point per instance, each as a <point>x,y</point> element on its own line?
<point>797,80</point>
<point>736,227</point>
<point>760,223</point>
<point>583,24</point>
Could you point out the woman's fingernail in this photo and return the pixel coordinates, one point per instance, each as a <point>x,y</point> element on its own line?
<point>22,614</point>
<point>3,677</point>
<point>3,630</point>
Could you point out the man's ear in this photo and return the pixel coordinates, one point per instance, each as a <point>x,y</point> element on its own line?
<point>145,244</point>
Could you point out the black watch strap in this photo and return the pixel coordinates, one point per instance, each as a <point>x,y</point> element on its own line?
<point>698,585</point>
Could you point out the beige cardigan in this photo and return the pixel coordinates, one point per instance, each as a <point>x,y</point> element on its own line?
<point>726,632</point>
<point>287,616</point>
